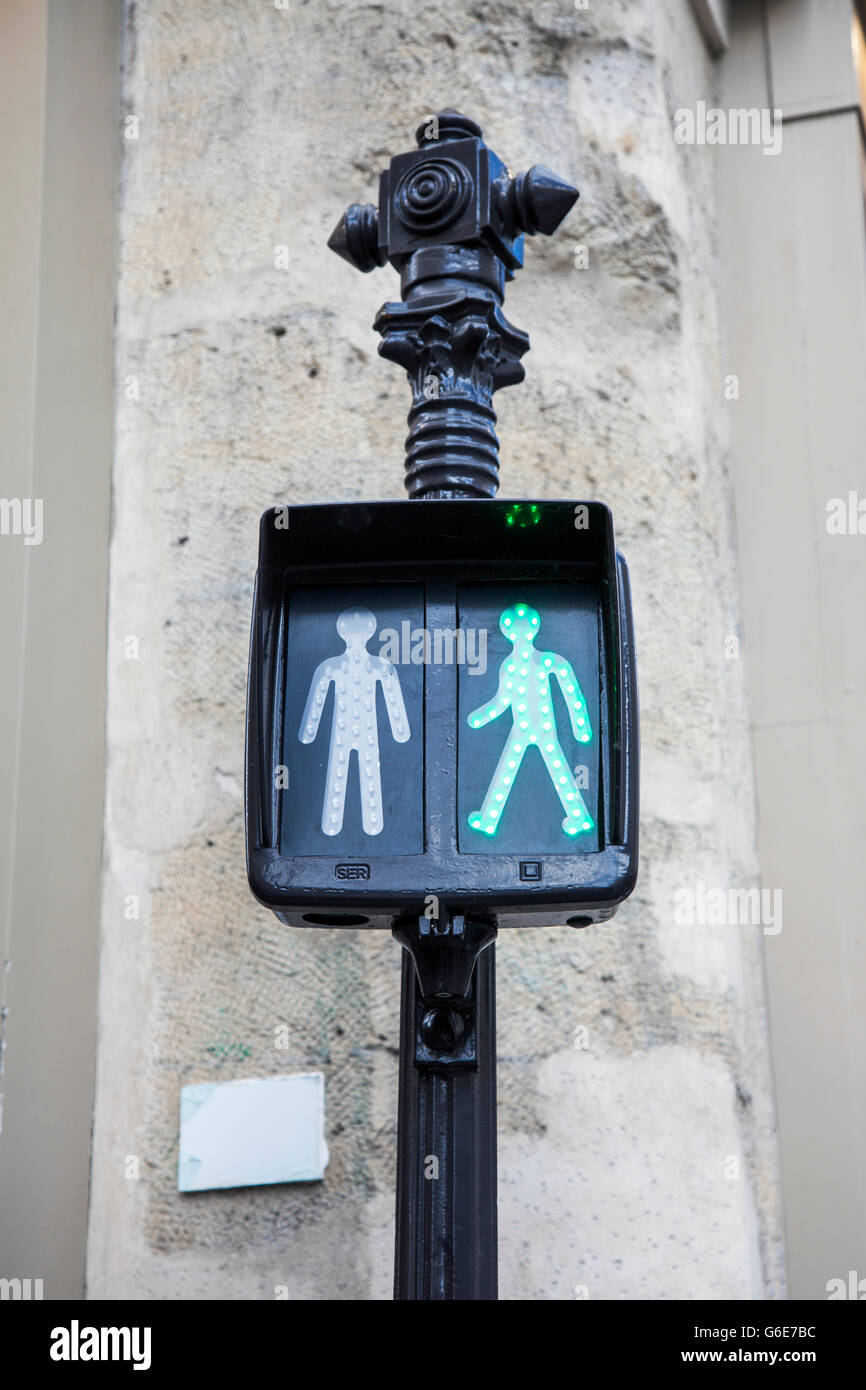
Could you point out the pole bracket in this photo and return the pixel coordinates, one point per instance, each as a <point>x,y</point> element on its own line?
<point>444,950</point>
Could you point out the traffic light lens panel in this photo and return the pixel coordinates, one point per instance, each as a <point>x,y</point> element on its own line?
<point>528,765</point>
<point>353,732</point>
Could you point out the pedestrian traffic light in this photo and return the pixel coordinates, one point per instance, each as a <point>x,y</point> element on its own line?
<point>442,708</point>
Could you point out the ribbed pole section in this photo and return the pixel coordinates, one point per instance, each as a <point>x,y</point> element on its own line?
<point>452,442</point>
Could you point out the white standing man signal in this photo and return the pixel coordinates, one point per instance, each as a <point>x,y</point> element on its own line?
<point>355,723</point>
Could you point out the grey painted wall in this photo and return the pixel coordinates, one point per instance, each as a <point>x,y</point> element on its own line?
<point>643,1165</point>
<point>793,238</point>
<point>59,67</point>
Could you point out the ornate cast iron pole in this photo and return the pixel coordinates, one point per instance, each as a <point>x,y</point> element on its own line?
<point>452,220</point>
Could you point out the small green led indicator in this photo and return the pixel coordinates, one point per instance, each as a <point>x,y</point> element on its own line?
<point>521,623</point>
<point>523,514</point>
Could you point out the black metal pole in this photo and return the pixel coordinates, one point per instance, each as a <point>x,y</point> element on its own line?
<point>451,219</point>
<point>446,1232</point>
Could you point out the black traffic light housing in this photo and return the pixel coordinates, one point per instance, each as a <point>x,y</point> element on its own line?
<point>423,594</point>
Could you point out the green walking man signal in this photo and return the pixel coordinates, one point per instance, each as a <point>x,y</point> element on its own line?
<point>524,688</point>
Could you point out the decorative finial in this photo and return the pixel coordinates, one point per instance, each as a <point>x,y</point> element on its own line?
<point>452,220</point>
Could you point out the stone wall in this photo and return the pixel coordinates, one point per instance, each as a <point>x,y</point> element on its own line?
<point>642,1165</point>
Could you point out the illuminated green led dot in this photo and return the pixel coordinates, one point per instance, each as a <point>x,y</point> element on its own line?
<point>533,738</point>
<point>523,670</point>
<point>533,509</point>
<point>521,612</point>
<point>548,661</point>
<point>521,709</point>
<point>546,726</point>
<point>578,704</point>
<point>535,622</point>
<point>506,781</point>
<point>509,685</point>
<point>500,796</point>
<point>541,675</point>
<point>510,668</point>
<point>524,656</point>
<point>584,738</point>
<point>489,829</point>
<point>581,723</point>
<point>586,825</point>
<point>509,520</point>
<point>569,796</point>
<point>549,747</point>
<point>475,822</point>
<point>491,712</point>
<point>494,811</point>
<point>508,622</point>
<point>524,723</point>
<point>557,763</point>
<point>570,689</point>
<point>521,690</point>
<point>563,672</point>
<point>511,762</point>
<point>545,709</point>
<point>563,781</point>
<point>571,830</point>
